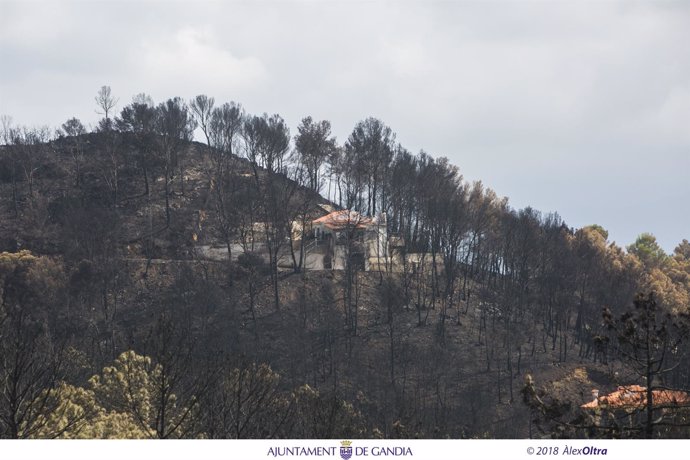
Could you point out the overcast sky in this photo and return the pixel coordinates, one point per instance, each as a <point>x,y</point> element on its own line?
<point>577,107</point>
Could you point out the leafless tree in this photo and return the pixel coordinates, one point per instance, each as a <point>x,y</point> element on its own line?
<point>6,127</point>
<point>105,103</point>
<point>175,128</point>
<point>202,111</point>
<point>267,143</point>
<point>74,130</point>
<point>314,145</point>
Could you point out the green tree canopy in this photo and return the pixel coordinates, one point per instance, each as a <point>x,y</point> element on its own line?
<point>648,251</point>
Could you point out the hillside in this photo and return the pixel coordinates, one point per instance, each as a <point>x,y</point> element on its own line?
<point>106,239</point>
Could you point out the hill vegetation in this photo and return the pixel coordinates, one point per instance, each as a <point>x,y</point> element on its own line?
<point>114,322</point>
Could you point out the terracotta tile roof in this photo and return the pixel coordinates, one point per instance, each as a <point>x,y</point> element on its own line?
<point>635,396</point>
<point>339,220</point>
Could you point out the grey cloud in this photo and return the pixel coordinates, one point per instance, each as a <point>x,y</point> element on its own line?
<point>579,107</point>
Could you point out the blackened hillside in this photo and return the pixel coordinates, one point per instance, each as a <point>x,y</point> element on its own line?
<point>104,265</point>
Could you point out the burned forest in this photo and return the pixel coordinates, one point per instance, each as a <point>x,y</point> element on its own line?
<point>263,282</point>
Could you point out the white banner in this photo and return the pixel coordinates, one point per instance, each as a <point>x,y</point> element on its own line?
<point>344,449</point>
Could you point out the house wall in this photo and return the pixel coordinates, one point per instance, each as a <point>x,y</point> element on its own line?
<point>339,258</point>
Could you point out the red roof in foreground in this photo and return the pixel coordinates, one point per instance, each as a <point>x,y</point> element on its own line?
<point>340,220</point>
<point>635,396</point>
